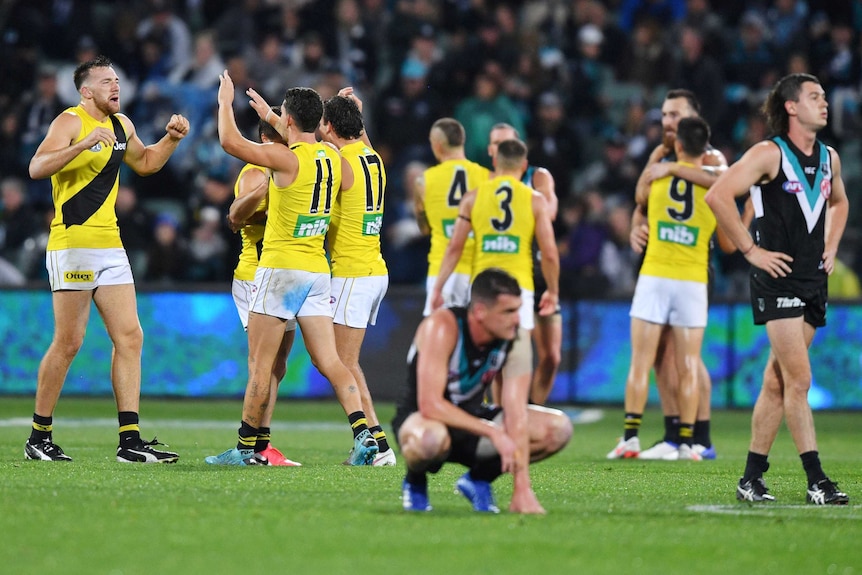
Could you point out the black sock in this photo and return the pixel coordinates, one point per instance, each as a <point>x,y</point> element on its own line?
<point>247,436</point>
<point>130,431</point>
<point>701,433</point>
<point>380,436</point>
<point>755,466</point>
<point>263,438</point>
<point>357,422</point>
<point>418,478</point>
<point>487,469</point>
<point>671,428</point>
<point>686,432</point>
<point>631,425</point>
<point>42,429</point>
<point>811,465</point>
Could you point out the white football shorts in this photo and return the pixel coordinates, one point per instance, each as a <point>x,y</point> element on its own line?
<point>356,301</point>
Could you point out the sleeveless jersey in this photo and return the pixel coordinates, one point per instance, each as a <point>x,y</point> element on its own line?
<point>680,227</point>
<point>85,191</point>
<point>299,213</point>
<point>471,369</point>
<point>504,226</point>
<point>251,235</point>
<point>354,233</point>
<point>790,210</point>
<point>445,185</point>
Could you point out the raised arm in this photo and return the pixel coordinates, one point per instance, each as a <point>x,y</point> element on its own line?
<point>146,160</point>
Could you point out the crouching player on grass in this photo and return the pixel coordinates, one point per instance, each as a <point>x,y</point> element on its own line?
<point>456,354</point>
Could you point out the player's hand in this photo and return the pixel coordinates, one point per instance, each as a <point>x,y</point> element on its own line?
<point>259,104</point>
<point>638,238</point>
<point>225,89</point>
<point>178,127</point>
<point>829,262</point>
<point>436,300</point>
<point>525,501</point>
<point>103,136</point>
<point>658,153</point>
<point>549,304</point>
<point>776,264</point>
<point>348,93</point>
<point>658,170</point>
<point>505,447</point>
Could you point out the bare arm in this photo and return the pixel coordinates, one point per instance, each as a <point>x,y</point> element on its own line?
<point>644,180</point>
<point>760,163</point>
<point>836,216</point>
<point>639,234</point>
<point>253,185</point>
<point>277,157</point>
<point>59,146</point>
<point>550,261</point>
<point>348,93</point>
<point>514,395</point>
<point>455,248</point>
<point>436,339</point>
<point>543,182</point>
<point>419,207</point>
<point>146,160</point>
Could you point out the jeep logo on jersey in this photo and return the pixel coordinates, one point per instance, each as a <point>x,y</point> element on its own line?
<point>677,233</point>
<point>120,146</point>
<point>792,187</point>
<point>371,224</point>
<point>78,276</point>
<point>501,244</point>
<point>310,226</point>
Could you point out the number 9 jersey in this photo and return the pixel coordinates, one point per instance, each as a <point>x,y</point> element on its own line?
<point>680,227</point>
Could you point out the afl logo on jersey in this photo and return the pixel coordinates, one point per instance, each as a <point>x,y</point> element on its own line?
<point>792,186</point>
<point>826,188</point>
<point>97,148</point>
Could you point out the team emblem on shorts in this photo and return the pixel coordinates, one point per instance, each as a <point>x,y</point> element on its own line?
<point>761,304</point>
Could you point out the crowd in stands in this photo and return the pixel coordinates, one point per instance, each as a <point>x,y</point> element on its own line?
<point>581,80</point>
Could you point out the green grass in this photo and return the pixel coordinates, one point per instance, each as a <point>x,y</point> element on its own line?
<point>97,516</point>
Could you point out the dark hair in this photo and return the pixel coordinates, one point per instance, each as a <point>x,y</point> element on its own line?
<point>264,128</point>
<point>82,72</point>
<point>786,89</point>
<point>452,130</point>
<point>491,283</point>
<point>693,134</point>
<point>510,153</point>
<point>688,95</point>
<point>344,116</point>
<point>305,107</point>
<point>505,126</point>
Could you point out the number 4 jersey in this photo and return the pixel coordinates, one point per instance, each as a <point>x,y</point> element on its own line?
<point>298,216</point>
<point>680,227</point>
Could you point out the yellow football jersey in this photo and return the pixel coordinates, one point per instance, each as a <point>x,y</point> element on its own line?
<point>251,235</point>
<point>299,214</point>
<point>445,185</point>
<point>354,232</point>
<point>504,226</point>
<point>680,227</point>
<point>85,191</point>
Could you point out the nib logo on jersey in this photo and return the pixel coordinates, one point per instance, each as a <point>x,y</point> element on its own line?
<point>371,224</point>
<point>677,233</point>
<point>501,244</point>
<point>310,226</point>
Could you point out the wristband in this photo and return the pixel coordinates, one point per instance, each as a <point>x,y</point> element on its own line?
<point>746,252</point>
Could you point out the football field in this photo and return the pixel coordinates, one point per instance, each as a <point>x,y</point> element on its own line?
<point>97,516</point>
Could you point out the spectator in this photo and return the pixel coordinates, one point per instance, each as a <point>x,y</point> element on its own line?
<point>136,228</point>
<point>553,143</point>
<point>405,247</point>
<point>170,32</point>
<point>486,107</point>
<point>208,248</point>
<point>168,256</point>
<point>581,249</point>
<point>18,220</point>
<point>701,74</point>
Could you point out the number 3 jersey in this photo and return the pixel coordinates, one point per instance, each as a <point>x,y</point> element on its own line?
<point>680,227</point>
<point>299,214</point>
<point>354,233</point>
<point>504,224</point>
<point>445,185</point>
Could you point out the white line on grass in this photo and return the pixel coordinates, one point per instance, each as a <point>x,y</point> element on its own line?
<point>176,423</point>
<point>773,510</point>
